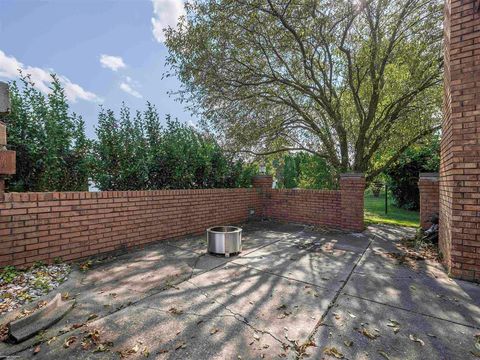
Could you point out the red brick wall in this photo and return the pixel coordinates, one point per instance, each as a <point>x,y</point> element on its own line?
<point>429,198</point>
<point>331,208</point>
<point>73,225</point>
<point>316,207</point>
<point>460,147</point>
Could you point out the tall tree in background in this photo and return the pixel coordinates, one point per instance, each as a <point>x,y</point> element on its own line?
<point>52,150</point>
<point>344,80</point>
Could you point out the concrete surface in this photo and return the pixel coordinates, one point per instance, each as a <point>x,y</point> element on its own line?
<point>292,293</point>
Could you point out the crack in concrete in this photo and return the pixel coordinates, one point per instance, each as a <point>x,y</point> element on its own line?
<point>300,355</point>
<point>240,317</point>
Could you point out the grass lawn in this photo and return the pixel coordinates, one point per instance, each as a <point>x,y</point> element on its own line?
<point>375,212</point>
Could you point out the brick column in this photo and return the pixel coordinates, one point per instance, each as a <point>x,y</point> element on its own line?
<point>429,198</point>
<point>460,147</point>
<point>7,158</point>
<point>262,181</point>
<point>352,189</point>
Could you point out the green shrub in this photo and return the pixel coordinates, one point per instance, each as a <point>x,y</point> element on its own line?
<point>404,174</point>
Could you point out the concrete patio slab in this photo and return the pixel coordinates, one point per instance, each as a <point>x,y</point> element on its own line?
<point>316,262</point>
<point>391,332</point>
<point>287,309</point>
<point>162,335</point>
<point>438,297</point>
<point>293,284</point>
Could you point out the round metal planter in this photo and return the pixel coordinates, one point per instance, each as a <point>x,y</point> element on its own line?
<point>224,240</point>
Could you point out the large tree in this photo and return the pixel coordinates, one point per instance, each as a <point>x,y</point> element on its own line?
<point>346,80</point>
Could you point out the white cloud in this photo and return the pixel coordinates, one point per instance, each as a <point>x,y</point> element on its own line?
<point>128,87</point>
<point>165,14</point>
<point>112,62</point>
<point>9,67</point>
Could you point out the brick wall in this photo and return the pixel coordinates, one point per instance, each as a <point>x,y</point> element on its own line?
<point>316,207</point>
<point>429,198</point>
<point>331,208</point>
<point>460,147</point>
<point>73,225</point>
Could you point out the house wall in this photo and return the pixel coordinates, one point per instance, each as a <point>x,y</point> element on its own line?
<point>460,147</point>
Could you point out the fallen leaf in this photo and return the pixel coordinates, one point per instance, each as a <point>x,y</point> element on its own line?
<point>477,342</point>
<point>175,311</point>
<point>332,351</point>
<point>416,339</point>
<point>393,323</point>
<point>351,315</point>
<point>101,348</point>
<point>348,343</point>
<point>368,333</point>
<point>69,341</point>
<point>181,345</point>
<point>384,354</point>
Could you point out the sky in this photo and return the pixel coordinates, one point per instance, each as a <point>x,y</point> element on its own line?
<point>104,51</point>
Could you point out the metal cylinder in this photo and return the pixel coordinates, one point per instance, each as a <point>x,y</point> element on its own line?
<point>224,240</point>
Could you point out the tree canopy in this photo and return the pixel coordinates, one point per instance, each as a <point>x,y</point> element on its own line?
<point>344,80</point>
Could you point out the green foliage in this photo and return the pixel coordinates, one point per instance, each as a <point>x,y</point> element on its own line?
<point>52,150</point>
<point>345,80</point>
<point>136,152</point>
<point>8,274</point>
<point>304,170</point>
<point>404,173</point>
<point>375,212</point>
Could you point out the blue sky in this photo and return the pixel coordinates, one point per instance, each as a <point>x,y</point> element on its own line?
<point>104,51</point>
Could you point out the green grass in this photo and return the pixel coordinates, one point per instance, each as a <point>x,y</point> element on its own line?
<point>375,212</point>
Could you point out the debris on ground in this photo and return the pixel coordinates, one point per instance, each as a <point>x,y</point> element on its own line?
<point>19,287</point>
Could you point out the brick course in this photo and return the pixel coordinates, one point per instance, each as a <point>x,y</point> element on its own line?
<point>460,147</point>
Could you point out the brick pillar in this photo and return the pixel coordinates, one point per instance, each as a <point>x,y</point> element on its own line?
<point>352,188</point>
<point>460,147</point>
<point>429,198</point>
<point>7,158</point>
<point>262,181</point>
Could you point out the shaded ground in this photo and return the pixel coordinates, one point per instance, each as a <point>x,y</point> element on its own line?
<point>292,293</point>
<point>375,212</point>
